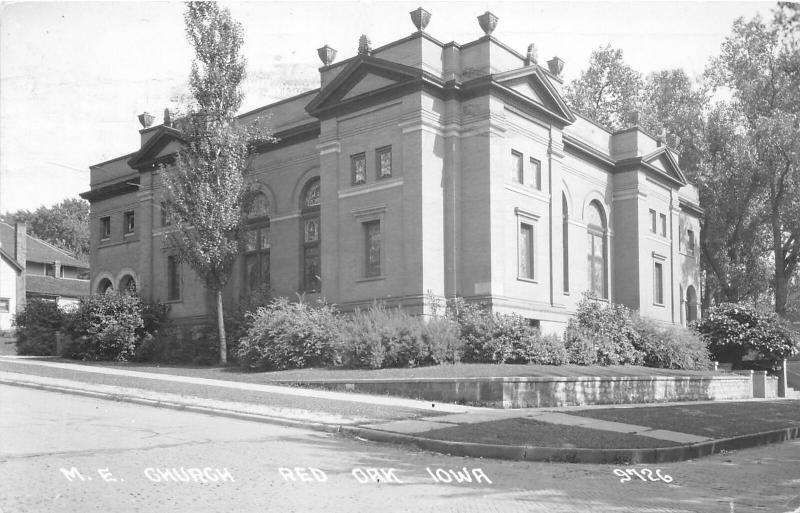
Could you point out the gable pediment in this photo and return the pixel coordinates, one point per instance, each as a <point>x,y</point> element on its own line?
<point>167,141</point>
<point>529,84</point>
<point>665,163</point>
<point>364,77</point>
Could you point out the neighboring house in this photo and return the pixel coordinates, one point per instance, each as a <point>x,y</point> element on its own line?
<point>30,267</point>
<point>422,170</point>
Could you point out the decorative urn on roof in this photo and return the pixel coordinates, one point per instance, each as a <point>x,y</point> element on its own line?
<point>488,22</point>
<point>556,66</point>
<point>146,119</point>
<point>421,18</point>
<point>364,45</point>
<point>326,55</point>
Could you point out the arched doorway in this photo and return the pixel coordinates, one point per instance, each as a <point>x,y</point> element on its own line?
<point>127,285</point>
<point>691,304</point>
<point>105,286</point>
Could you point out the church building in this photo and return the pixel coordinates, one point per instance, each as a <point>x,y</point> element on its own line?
<point>423,170</point>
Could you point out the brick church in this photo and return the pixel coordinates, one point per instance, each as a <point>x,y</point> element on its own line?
<point>418,170</point>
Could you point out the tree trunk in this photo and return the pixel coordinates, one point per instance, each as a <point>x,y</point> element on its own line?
<point>781,280</point>
<point>223,346</point>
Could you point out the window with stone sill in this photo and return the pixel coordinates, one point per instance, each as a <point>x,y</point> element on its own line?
<point>358,169</point>
<point>526,251</point>
<point>128,222</point>
<point>658,283</point>
<point>372,247</point>
<point>663,218</point>
<point>517,172</point>
<point>536,174</point>
<point>383,161</point>
<point>653,221</point>
<point>596,228</point>
<point>105,227</point>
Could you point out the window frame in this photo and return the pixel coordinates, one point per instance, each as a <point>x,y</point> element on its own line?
<point>653,221</point>
<point>308,213</point>
<point>383,150</point>
<point>5,305</point>
<point>663,222</point>
<point>128,223</point>
<point>261,251</point>
<point>518,170</point>
<point>659,289</point>
<point>174,276</point>
<point>165,220</point>
<point>594,233</point>
<point>105,228</point>
<point>368,271</point>
<point>536,172</point>
<point>531,220</point>
<point>690,242</point>
<point>356,157</point>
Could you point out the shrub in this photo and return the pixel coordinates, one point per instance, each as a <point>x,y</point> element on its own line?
<point>37,326</point>
<point>198,345</point>
<point>548,350</point>
<point>286,335</point>
<point>732,331</point>
<point>608,331</point>
<point>671,347</point>
<point>442,338</point>
<point>104,327</point>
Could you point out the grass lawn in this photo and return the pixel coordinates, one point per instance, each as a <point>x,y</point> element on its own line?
<point>522,431</point>
<point>720,420</point>
<point>477,370</point>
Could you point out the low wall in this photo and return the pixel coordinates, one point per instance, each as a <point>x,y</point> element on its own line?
<point>532,392</point>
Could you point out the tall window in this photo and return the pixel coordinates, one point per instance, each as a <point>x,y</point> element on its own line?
<point>517,173</point>
<point>383,161</point>
<point>536,174</point>
<point>663,219</point>
<point>173,279</point>
<point>598,266</point>
<point>105,227</point>
<point>257,246</point>
<point>5,304</point>
<point>690,242</point>
<point>565,240</point>
<point>358,168</point>
<point>165,221</point>
<point>526,253</point>
<point>372,246</point>
<point>652,221</point>
<point>311,257</point>
<point>658,283</point>
<point>128,219</point>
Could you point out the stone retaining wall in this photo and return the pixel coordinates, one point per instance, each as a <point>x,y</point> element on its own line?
<point>532,392</point>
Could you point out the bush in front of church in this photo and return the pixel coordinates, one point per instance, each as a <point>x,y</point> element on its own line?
<point>37,327</point>
<point>104,327</point>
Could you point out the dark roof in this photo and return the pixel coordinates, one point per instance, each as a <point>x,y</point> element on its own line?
<point>50,286</point>
<point>37,250</point>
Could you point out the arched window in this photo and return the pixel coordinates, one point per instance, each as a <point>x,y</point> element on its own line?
<point>127,285</point>
<point>105,286</point>
<point>311,257</point>
<point>257,246</point>
<point>565,240</point>
<point>598,266</point>
<point>691,304</point>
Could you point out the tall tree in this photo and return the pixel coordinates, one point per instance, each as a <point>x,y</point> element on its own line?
<point>206,188</point>
<point>760,64</point>
<point>64,225</point>
<point>607,90</point>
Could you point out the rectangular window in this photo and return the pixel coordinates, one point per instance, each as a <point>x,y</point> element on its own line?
<point>50,270</point>
<point>663,219</point>
<point>105,227</point>
<point>256,259</point>
<point>658,283</point>
<point>165,214</point>
<point>526,260</point>
<point>173,279</point>
<point>358,168</point>
<point>5,305</point>
<point>517,174</point>
<point>653,221</point>
<point>690,242</point>
<point>536,174</point>
<point>372,246</point>
<point>383,161</point>
<point>311,265</point>
<point>128,222</point>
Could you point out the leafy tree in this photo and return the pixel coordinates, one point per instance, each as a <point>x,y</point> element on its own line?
<point>760,63</point>
<point>64,225</point>
<point>206,188</point>
<point>607,90</point>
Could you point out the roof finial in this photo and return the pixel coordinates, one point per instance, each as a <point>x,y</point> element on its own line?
<point>556,66</point>
<point>364,45</point>
<point>326,55</point>
<point>533,55</point>
<point>420,17</point>
<point>488,22</point>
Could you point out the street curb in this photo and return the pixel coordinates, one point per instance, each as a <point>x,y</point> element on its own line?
<point>468,449</point>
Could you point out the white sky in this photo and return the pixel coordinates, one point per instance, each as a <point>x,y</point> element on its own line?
<point>74,75</point>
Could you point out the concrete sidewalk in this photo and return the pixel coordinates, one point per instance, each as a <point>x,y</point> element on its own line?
<point>379,418</point>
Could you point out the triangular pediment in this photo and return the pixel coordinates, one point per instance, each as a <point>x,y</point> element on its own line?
<point>364,76</point>
<point>664,161</point>
<point>167,141</point>
<point>530,84</point>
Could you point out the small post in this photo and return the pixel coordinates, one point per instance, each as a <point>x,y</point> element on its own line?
<point>782,379</point>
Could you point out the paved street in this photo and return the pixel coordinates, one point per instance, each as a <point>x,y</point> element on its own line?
<point>67,453</point>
